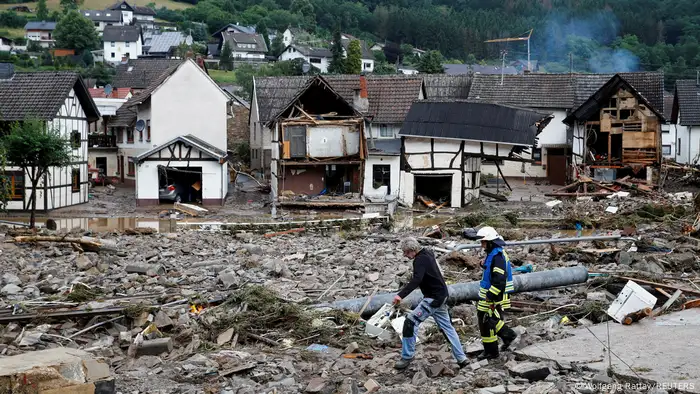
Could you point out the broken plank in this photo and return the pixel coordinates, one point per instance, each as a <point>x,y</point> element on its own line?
<point>577,194</point>
<point>190,209</point>
<point>90,243</point>
<point>494,195</point>
<point>668,303</point>
<point>237,369</point>
<point>291,231</point>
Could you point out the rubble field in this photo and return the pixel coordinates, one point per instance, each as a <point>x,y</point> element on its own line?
<point>234,312</point>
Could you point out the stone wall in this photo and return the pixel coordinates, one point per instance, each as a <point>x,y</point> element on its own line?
<point>237,127</point>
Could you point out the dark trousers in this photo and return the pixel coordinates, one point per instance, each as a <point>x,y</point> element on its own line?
<point>492,325</point>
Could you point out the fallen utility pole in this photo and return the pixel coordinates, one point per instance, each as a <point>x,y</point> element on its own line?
<point>551,241</point>
<point>462,292</point>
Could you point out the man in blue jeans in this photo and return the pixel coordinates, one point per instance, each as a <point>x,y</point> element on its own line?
<point>427,277</point>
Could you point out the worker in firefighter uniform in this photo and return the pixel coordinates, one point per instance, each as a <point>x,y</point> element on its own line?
<point>495,287</point>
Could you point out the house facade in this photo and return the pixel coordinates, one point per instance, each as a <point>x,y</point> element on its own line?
<point>103,18</point>
<point>121,43</point>
<point>40,32</point>
<point>685,120</point>
<point>182,102</point>
<point>144,15</point>
<point>617,130</point>
<point>315,154</point>
<point>246,45</point>
<point>443,144</point>
<point>289,35</point>
<point>367,54</point>
<point>60,99</point>
<point>319,58</point>
<point>5,44</point>
<point>139,74</point>
<point>164,44</point>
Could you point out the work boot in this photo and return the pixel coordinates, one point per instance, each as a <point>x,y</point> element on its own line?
<point>463,363</point>
<point>403,363</point>
<point>486,356</point>
<point>506,343</point>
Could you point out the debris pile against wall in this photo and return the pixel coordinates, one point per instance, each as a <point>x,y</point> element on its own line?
<point>229,311</point>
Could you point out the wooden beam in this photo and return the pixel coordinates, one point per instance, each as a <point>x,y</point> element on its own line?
<point>503,176</point>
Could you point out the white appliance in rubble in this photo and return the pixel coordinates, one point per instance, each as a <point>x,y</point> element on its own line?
<point>632,298</point>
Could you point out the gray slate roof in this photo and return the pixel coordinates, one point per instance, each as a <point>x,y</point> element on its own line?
<point>165,41</point>
<point>688,102</point>
<point>311,51</point>
<point>390,96</point>
<point>459,69</point>
<point>466,120</point>
<point>441,86</point>
<point>102,15</point>
<point>40,26</point>
<point>140,73</point>
<point>366,52</point>
<point>650,85</point>
<point>527,90</point>
<point>41,94</point>
<point>121,33</point>
<point>244,38</point>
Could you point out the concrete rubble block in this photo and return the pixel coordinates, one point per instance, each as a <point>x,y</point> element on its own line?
<point>225,337</point>
<point>10,289</point>
<point>52,371</point>
<point>11,279</point>
<point>419,378</point>
<point>162,320</point>
<point>500,389</point>
<point>530,371</point>
<point>541,388</point>
<point>436,369</point>
<point>316,385</point>
<point>352,348</point>
<point>146,269</point>
<point>372,386</point>
<point>84,263</point>
<point>601,378</point>
<point>155,347</point>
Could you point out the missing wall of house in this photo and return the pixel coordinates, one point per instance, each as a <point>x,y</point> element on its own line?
<point>436,188</point>
<point>180,184</point>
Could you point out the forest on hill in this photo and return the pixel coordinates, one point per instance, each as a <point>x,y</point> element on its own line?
<point>590,35</point>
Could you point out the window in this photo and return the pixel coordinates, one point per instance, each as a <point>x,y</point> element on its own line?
<point>113,44</point>
<point>381,176</point>
<point>75,139</point>
<point>148,130</point>
<point>129,135</point>
<point>119,133</point>
<point>140,135</point>
<point>112,55</point>
<point>367,66</point>
<point>75,180</point>
<point>384,131</point>
<point>537,155</point>
<point>678,146</point>
<point>97,24</point>
<point>315,60</point>
<point>15,185</point>
<point>126,44</point>
<point>666,150</point>
<point>132,168</point>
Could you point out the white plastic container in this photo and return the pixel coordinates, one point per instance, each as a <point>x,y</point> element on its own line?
<point>632,298</point>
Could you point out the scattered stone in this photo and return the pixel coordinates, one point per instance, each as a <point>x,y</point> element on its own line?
<point>419,378</point>
<point>601,378</point>
<point>436,369</point>
<point>352,348</point>
<point>475,366</point>
<point>624,258</point>
<point>225,337</point>
<point>228,279</point>
<point>11,279</point>
<point>372,277</point>
<point>84,263</point>
<point>10,289</point>
<point>316,385</point>
<point>540,388</point>
<point>596,296</point>
<point>530,371</point>
<point>162,320</point>
<point>155,347</point>
<point>371,386</point>
<point>252,249</point>
<point>500,389</point>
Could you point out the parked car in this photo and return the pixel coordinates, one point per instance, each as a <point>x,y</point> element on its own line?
<point>173,192</point>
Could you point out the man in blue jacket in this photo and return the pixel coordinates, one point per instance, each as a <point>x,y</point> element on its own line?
<point>427,277</point>
<point>495,287</point>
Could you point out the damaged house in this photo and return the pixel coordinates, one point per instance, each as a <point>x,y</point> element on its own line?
<point>318,148</point>
<point>443,143</point>
<point>617,129</point>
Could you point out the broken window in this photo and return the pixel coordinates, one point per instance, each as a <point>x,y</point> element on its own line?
<point>75,180</point>
<point>612,103</point>
<point>132,168</point>
<point>537,155</point>
<point>13,181</point>
<point>381,176</point>
<point>626,114</point>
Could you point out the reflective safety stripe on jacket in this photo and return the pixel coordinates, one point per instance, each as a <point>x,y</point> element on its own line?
<point>484,303</point>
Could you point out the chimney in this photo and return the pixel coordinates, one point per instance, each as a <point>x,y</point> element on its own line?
<point>125,59</point>
<point>360,99</point>
<point>201,64</point>
<point>7,71</point>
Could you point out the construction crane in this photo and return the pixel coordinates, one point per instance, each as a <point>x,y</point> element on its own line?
<point>527,38</point>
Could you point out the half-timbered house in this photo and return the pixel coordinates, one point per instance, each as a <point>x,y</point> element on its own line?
<point>62,100</point>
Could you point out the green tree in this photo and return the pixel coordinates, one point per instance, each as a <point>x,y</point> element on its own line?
<point>35,147</point>
<point>70,5</point>
<point>75,31</point>
<point>353,63</point>
<point>226,58</point>
<point>262,30</point>
<point>337,65</point>
<point>277,46</point>
<point>431,63</point>
<point>305,9</point>
<point>384,68</point>
<point>42,12</point>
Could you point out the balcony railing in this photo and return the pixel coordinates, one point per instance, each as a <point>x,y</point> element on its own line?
<point>102,141</point>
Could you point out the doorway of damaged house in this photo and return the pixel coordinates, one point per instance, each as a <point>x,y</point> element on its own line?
<point>329,180</point>
<point>180,184</point>
<point>435,189</point>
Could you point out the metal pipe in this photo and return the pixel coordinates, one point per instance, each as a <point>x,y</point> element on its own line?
<point>550,241</point>
<point>462,292</point>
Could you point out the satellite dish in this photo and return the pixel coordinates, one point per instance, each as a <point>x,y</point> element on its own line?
<point>140,125</point>
<point>108,90</point>
<point>305,68</point>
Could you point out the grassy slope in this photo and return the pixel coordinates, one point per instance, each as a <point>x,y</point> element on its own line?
<point>102,4</point>
<point>222,76</point>
<point>11,33</point>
